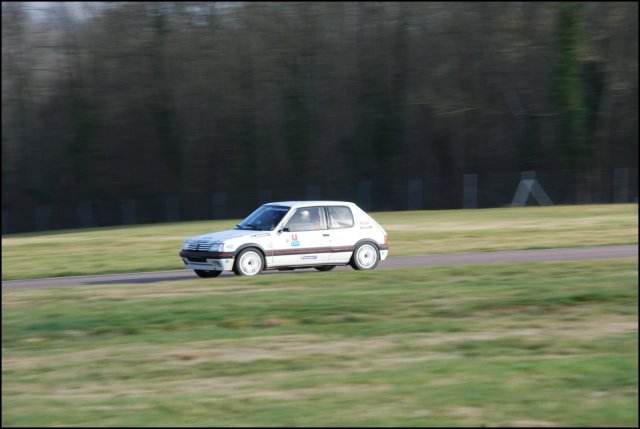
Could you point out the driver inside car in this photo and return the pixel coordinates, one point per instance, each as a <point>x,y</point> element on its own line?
<point>301,221</point>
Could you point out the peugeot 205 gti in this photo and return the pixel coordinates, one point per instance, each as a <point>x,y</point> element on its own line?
<point>289,235</point>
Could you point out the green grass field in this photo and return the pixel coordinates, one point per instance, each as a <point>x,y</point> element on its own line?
<point>156,247</point>
<point>553,344</point>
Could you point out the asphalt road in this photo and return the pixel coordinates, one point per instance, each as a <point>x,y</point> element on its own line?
<point>392,263</point>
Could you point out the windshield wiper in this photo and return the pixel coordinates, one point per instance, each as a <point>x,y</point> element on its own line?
<point>250,226</point>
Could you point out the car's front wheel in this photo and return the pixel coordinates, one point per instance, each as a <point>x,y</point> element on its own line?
<point>365,257</point>
<point>325,268</point>
<point>207,274</point>
<point>249,263</point>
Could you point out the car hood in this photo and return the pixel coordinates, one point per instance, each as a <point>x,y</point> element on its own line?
<point>219,237</point>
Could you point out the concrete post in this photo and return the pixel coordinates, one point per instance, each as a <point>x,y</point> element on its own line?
<point>264,196</point>
<point>621,185</point>
<point>43,218</point>
<point>364,195</point>
<point>470,191</point>
<point>220,205</point>
<point>128,212</point>
<point>313,192</point>
<point>414,194</point>
<point>172,208</point>
<point>85,216</point>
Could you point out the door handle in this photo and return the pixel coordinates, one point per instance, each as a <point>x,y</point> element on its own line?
<point>325,235</point>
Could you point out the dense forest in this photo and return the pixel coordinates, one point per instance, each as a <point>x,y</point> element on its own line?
<point>122,101</point>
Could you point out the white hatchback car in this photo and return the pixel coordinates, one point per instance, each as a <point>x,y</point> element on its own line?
<point>289,235</point>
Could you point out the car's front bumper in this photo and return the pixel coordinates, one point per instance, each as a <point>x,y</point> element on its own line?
<point>207,261</point>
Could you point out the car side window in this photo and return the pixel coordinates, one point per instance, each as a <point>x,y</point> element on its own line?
<point>307,219</point>
<point>340,217</point>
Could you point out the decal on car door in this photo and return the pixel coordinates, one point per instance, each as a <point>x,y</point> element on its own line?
<point>294,240</point>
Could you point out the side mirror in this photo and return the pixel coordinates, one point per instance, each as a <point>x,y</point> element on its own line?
<point>285,229</point>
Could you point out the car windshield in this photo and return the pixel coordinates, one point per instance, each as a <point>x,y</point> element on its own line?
<point>265,218</point>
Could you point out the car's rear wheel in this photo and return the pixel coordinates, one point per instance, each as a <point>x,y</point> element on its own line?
<point>207,274</point>
<point>365,257</point>
<point>249,263</point>
<point>325,268</point>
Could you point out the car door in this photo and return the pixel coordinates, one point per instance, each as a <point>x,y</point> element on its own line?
<point>304,239</point>
<point>343,233</point>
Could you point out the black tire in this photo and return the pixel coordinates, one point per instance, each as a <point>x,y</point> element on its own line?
<point>246,263</point>
<point>366,256</point>
<point>207,274</point>
<point>325,267</point>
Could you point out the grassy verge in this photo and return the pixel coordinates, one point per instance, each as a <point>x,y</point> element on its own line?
<point>515,345</point>
<point>156,247</point>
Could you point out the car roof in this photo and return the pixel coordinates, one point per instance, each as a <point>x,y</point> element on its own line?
<point>311,203</point>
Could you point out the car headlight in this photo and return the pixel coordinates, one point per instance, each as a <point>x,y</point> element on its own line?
<point>216,247</point>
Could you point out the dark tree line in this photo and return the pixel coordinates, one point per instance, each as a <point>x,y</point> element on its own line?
<point>123,100</point>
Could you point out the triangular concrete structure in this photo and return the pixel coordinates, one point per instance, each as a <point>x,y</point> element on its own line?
<point>529,186</point>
